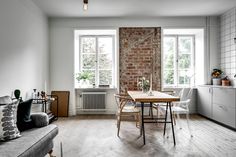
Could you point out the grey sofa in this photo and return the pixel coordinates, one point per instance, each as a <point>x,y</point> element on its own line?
<point>36,142</point>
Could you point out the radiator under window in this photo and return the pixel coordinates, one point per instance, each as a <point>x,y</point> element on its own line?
<point>94,100</point>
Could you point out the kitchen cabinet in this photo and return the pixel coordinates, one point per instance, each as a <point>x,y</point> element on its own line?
<point>218,103</point>
<point>204,105</point>
<point>223,106</point>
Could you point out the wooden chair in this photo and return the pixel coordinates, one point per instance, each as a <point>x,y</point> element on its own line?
<point>126,108</point>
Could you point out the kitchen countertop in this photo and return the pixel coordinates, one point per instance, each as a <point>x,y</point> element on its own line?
<point>218,86</point>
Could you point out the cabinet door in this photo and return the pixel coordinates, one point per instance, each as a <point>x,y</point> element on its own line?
<point>224,114</point>
<point>204,101</point>
<point>224,96</point>
<point>224,106</point>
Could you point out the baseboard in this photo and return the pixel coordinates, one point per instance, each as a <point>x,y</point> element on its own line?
<point>222,124</point>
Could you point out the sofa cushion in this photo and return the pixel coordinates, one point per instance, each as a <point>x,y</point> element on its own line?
<point>40,119</point>
<point>34,142</point>
<point>24,122</point>
<point>5,100</point>
<point>8,128</point>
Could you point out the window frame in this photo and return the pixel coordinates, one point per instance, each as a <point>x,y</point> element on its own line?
<point>176,61</point>
<point>96,54</point>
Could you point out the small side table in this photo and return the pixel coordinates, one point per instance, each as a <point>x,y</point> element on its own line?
<point>45,102</point>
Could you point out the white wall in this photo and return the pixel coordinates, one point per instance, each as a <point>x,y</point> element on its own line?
<point>62,45</point>
<point>23,47</point>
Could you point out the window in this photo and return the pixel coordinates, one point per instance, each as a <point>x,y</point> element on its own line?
<point>96,56</point>
<point>178,60</point>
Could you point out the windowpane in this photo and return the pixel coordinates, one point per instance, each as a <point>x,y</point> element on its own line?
<point>105,45</point>
<point>105,61</point>
<point>169,50</point>
<point>88,45</point>
<point>105,77</point>
<point>88,61</point>
<point>185,45</point>
<point>184,61</point>
<point>184,77</point>
<point>168,77</point>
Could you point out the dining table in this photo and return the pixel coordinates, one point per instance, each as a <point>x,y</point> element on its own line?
<point>154,97</point>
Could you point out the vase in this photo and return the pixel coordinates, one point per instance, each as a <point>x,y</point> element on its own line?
<point>17,93</point>
<point>145,90</point>
<point>216,81</point>
<point>84,83</point>
<point>225,82</point>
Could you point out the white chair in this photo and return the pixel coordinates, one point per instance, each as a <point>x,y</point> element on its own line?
<point>182,106</point>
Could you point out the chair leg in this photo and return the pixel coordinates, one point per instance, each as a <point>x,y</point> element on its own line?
<point>187,116</point>
<point>157,112</point>
<point>178,117</point>
<point>136,118</point>
<point>173,113</point>
<point>118,125</point>
<point>140,123</point>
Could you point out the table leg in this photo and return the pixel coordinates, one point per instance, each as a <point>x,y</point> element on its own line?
<point>143,130</point>
<point>173,132</point>
<point>165,119</point>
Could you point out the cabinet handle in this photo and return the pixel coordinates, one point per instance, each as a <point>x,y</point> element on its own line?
<point>210,90</point>
<point>222,107</point>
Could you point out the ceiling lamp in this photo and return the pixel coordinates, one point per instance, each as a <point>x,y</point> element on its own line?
<point>85,5</point>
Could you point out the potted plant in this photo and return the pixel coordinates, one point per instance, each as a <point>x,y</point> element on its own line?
<point>216,79</point>
<point>83,78</point>
<point>225,81</point>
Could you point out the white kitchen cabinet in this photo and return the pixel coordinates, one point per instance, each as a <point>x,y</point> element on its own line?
<point>204,105</point>
<point>223,106</point>
<point>218,103</point>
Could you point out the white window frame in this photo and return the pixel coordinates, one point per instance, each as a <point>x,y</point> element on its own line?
<point>176,68</point>
<point>96,53</point>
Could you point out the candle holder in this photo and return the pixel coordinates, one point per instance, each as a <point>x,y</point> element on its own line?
<point>150,93</point>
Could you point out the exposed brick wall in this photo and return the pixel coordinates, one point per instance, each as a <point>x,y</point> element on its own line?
<point>140,55</point>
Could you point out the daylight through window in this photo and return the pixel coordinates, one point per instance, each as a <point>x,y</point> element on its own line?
<point>178,60</point>
<point>97,58</point>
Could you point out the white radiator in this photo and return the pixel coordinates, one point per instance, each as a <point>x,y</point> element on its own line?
<point>94,100</point>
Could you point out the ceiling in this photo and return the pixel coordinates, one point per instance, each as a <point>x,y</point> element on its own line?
<point>134,8</point>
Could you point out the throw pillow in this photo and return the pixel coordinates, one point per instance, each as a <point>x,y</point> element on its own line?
<point>24,122</point>
<point>5,100</point>
<point>8,129</point>
<point>40,119</point>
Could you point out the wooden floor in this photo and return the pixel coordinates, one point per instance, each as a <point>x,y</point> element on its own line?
<point>95,136</point>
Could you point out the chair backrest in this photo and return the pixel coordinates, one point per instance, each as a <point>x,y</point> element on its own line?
<point>185,98</point>
<point>185,94</point>
<point>121,100</point>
